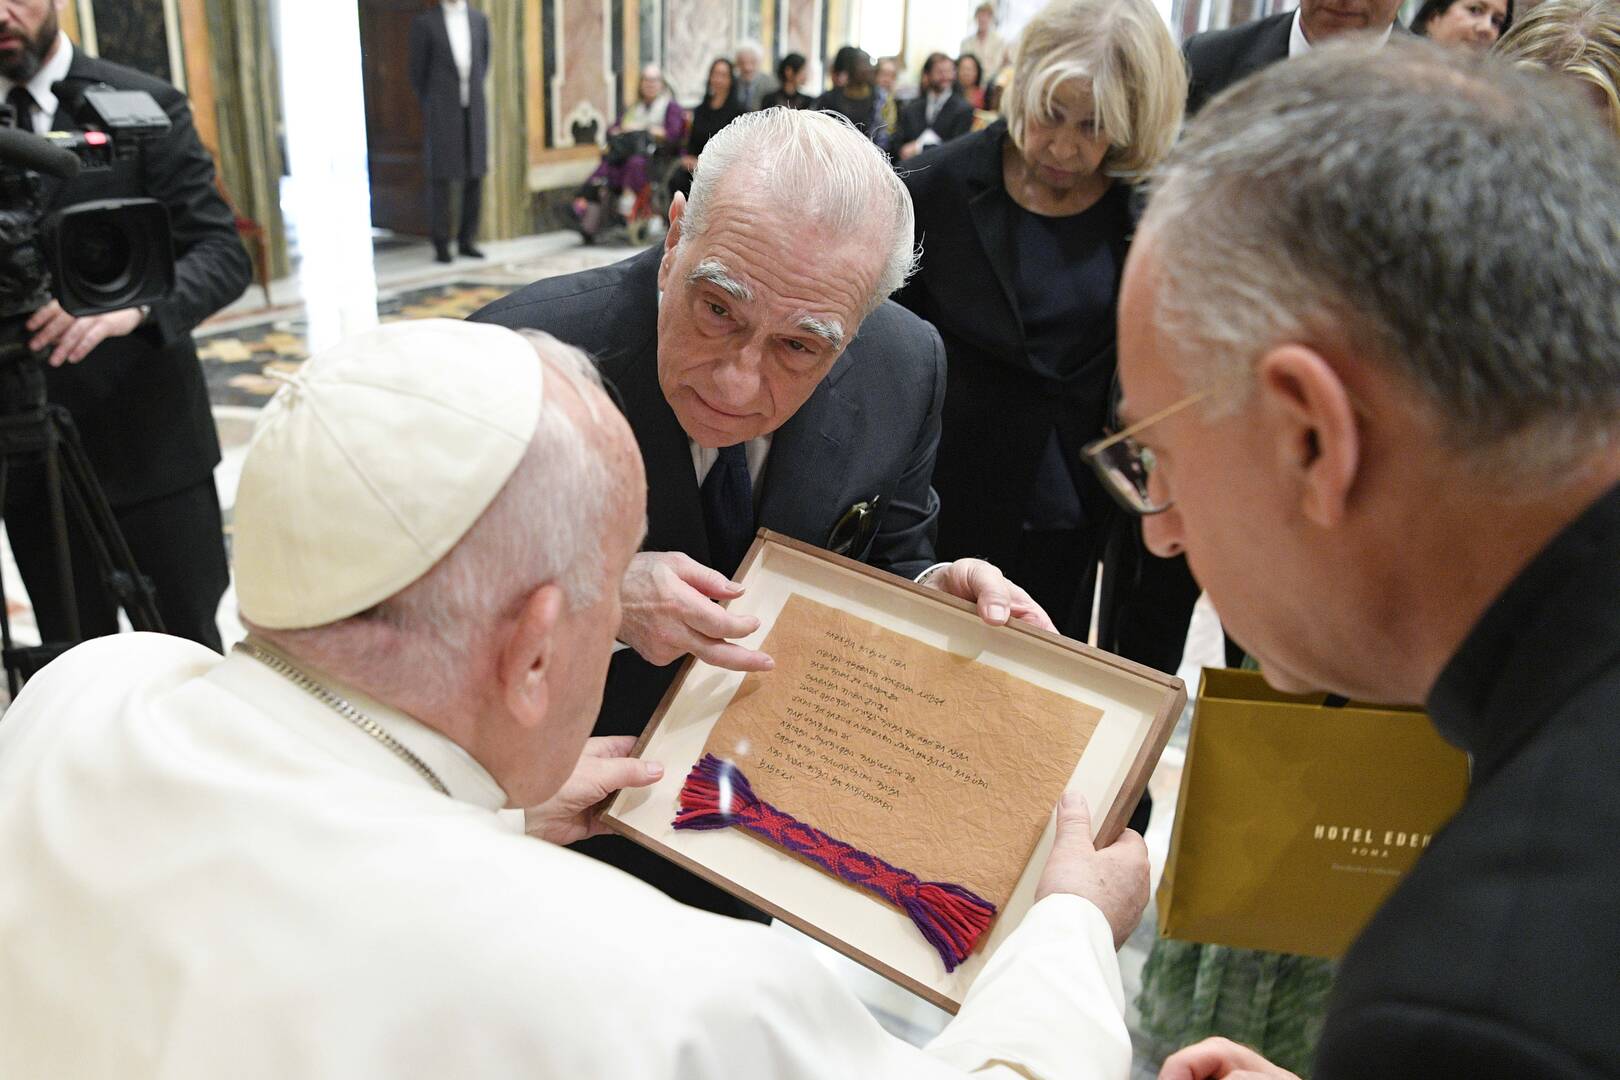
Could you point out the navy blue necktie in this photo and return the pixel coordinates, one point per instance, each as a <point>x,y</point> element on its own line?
<point>728,508</point>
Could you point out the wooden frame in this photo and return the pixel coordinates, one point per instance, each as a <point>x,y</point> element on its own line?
<point>1140,707</point>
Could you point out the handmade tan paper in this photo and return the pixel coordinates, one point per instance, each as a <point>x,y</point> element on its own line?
<point>937,763</point>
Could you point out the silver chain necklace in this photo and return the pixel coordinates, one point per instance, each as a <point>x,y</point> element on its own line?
<point>342,707</point>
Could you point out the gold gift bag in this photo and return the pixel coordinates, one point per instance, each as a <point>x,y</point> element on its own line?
<point>1296,819</point>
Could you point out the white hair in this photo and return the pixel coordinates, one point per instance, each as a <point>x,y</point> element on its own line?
<point>544,525</point>
<point>819,169</point>
<point>751,47</point>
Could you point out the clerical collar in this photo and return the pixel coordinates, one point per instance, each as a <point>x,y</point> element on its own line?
<point>1548,634</point>
<point>464,778</point>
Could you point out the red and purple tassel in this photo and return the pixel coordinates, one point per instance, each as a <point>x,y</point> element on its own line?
<point>717,795</point>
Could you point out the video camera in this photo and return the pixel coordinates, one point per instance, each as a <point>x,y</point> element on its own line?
<point>101,255</point>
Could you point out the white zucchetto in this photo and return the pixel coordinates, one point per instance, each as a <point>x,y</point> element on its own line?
<point>373,461</point>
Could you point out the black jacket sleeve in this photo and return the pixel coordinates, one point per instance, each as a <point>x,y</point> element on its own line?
<point>211,267</point>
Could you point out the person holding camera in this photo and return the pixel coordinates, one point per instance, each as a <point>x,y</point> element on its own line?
<point>130,378</point>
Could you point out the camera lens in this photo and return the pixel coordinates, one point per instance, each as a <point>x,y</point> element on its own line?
<point>101,256</point>
<point>110,254</point>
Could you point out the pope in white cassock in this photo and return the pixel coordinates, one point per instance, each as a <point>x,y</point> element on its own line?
<point>294,861</point>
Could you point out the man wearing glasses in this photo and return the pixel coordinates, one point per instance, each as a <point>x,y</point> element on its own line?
<point>1370,352</point>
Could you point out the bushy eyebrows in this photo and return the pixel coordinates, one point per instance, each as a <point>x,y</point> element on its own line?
<point>829,331</point>
<point>714,272</point>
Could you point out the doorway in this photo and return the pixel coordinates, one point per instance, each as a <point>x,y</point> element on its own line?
<point>393,117</point>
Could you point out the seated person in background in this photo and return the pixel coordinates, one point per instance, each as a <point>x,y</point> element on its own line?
<point>1378,410</point>
<point>1475,23</point>
<point>790,73</point>
<point>885,74</point>
<point>293,861</point>
<point>853,95</point>
<point>752,83</point>
<point>653,123</point>
<point>718,108</point>
<point>1578,40</point>
<point>756,353</point>
<point>938,114</point>
<point>970,79</point>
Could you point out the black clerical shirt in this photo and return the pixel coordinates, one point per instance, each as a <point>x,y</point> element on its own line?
<point>1500,955</point>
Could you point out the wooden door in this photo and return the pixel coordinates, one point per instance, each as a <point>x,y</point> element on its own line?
<point>393,117</point>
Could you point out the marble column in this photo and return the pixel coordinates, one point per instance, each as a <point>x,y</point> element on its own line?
<point>582,99</point>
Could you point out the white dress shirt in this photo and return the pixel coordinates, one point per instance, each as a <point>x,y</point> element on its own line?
<point>1299,45</point>
<point>757,450</point>
<point>458,25</point>
<point>210,873</point>
<point>52,71</point>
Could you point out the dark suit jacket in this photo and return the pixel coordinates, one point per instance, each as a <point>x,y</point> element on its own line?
<point>870,430</point>
<point>955,119</point>
<point>1218,58</point>
<point>139,401</point>
<point>1499,955</point>
<point>446,152</point>
<point>999,410</point>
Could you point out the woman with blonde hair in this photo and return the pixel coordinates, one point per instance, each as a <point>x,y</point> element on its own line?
<point>1023,228</point>
<point>1578,39</point>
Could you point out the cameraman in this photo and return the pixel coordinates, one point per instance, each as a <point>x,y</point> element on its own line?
<point>130,378</point>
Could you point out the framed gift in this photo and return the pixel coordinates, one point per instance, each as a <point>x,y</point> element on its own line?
<point>889,787</point>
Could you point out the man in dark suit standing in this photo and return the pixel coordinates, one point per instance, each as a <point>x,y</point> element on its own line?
<point>937,114</point>
<point>449,57</point>
<point>1219,58</point>
<point>129,378</point>
<point>755,402</point>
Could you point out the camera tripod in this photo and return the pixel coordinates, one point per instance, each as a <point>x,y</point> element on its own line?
<point>32,429</point>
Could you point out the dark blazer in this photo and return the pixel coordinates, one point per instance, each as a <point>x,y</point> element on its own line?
<point>447,153</point>
<point>1218,58</point>
<point>1499,955</point>
<point>999,410</point>
<point>955,119</point>
<point>868,432</point>
<point>139,401</point>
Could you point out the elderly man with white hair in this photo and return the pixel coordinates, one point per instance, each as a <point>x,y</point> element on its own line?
<point>293,861</point>
<point>769,383</point>
<point>753,81</point>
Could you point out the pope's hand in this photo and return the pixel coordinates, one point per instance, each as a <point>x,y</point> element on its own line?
<point>604,767</point>
<point>1220,1058</point>
<point>669,611</point>
<point>1114,878</point>
<point>982,584</point>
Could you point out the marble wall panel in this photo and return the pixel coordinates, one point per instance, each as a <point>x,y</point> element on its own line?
<point>801,33</point>
<point>695,33</point>
<point>582,83</point>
